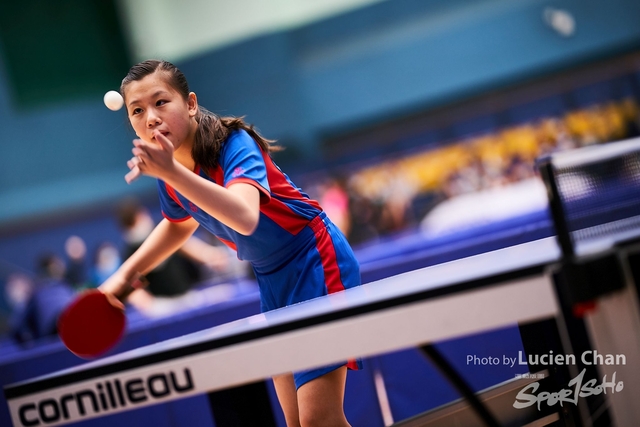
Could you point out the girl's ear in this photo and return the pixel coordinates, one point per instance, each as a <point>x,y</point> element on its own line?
<point>192,104</point>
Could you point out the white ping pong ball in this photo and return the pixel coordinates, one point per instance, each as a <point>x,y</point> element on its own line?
<point>113,100</point>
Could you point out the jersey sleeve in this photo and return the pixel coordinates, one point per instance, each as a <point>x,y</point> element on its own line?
<point>170,205</point>
<point>242,161</point>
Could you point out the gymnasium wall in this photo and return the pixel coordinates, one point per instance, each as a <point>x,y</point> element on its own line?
<point>306,84</point>
<point>178,30</point>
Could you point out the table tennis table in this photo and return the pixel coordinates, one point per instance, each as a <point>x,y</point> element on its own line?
<point>452,299</point>
<point>522,284</point>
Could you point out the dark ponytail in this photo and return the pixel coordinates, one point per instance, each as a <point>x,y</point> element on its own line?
<point>212,129</point>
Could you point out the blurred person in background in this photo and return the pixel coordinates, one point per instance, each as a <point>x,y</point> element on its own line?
<point>50,295</point>
<point>334,200</point>
<point>107,259</point>
<point>18,288</point>
<point>76,251</point>
<point>397,199</point>
<point>364,214</point>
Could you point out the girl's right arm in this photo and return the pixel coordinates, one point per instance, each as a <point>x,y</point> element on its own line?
<point>163,241</point>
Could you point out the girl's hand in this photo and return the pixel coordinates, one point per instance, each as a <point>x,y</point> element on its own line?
<point>118,287</point>
<point>155,160</point>
<point>113,286</point>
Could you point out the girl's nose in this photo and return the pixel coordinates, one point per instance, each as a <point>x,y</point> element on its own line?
<point>153,120</point>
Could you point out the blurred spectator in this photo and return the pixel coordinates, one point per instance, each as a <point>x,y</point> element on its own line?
<point>51,294</point>
<point>76,251</point>
<point>365,215</point>
<point>180,272</point>
<point>518,170</point>
<point>106,261</point>
<point>335,202</point>
<point>397,200</point>
<point>18,290</point>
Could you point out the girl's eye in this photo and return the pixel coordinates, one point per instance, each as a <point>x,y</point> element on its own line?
<point>160,102</point>
<point>136,111</point>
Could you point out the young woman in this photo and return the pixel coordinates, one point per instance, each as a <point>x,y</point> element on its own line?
<point>217,172</point>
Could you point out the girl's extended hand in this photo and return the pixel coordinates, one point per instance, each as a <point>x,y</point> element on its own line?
<point>113,286</point>
<point>118,287</point>
<point>155,160</point>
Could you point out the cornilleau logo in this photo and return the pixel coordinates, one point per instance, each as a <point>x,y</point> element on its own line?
<point>104,396</point>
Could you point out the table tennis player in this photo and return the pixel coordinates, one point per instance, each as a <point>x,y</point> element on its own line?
<point>217,172</point>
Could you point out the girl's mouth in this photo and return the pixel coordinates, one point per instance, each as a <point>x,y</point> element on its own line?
<point>165,134</point>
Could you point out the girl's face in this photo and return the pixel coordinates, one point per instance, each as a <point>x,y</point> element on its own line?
<point>152,104</point>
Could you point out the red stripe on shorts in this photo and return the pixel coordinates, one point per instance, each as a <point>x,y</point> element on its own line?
<point>327,256</point>
<point>329,264</point>
<point>352,364</point>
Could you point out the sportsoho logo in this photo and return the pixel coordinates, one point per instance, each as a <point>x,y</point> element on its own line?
<point>104,396</point>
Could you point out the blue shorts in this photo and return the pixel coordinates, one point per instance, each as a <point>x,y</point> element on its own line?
<point>319,263</point>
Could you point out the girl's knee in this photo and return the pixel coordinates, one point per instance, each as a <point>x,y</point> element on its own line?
<point>320,400</point>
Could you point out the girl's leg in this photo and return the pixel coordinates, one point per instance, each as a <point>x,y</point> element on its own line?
<point>320,401</point>
<point>317,403</point>
<point>286,391</point>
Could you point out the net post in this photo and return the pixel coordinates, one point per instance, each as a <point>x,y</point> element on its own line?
<point>547,172</point>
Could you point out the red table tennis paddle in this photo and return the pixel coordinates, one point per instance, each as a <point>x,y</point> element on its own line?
<point>90,325</point>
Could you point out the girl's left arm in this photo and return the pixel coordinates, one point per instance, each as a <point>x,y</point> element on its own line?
<point>237,206</point>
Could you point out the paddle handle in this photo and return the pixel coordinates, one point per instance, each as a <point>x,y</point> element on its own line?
<point>137,281</point>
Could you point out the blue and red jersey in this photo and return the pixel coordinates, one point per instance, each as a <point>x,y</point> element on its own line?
<point>284,210</point>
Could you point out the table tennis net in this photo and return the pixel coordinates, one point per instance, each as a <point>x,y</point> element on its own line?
<point>599,188</point>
